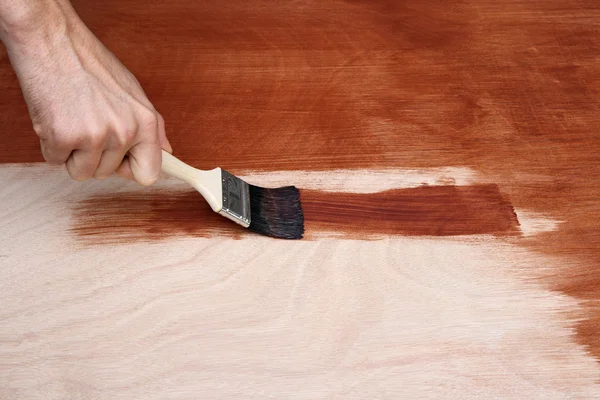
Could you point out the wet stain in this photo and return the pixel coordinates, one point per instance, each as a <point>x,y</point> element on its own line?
<point>422,211</point>
<point>138,216</point>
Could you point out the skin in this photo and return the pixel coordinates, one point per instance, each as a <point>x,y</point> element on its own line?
<point>88,110</point>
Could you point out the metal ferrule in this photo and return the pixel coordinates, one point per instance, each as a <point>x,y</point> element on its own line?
<point>236,199</point>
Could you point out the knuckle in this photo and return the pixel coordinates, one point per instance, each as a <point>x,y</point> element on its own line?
<point>58,127</point>
<point>96,135</point>
<point>63,137</point>
<point>149,120</point>
<point>125,136</point>
<point>91,133</point>
<point>41,130</point>
<point>69,140</point>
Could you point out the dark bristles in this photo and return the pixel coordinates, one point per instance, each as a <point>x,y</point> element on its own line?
<point>276,212</point>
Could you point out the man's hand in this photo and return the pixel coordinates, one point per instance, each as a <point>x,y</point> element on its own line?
<point>87,108</point>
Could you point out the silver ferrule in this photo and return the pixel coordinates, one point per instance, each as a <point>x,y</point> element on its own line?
<point>236,199</point>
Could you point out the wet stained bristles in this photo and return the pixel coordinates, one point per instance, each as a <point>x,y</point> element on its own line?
<point>276,212</point>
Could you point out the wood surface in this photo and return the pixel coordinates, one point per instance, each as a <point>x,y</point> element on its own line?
<point>448,157</point>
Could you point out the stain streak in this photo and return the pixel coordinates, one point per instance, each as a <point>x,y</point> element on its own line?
<point>427,210</point>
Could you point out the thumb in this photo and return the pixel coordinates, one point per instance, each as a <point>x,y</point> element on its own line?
<point>162,135</point>
<point>145,161</point>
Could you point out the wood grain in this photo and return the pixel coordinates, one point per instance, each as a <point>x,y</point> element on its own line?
<point>257,318</point>
<point>337,96</point>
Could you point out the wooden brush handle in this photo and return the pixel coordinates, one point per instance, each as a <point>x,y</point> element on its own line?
<point>176,168</point>
<point>208,183</point>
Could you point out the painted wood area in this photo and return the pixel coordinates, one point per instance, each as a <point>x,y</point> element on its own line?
<point>448,157</point>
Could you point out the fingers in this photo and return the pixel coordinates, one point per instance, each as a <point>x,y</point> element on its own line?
<point>109,162</point>
<point>140,162</point>
<point>133,150</point>
<point>57,155</point>
<point>144,158</point>
<point>117,143</point>
<point>145,161</point>
<point>82,164</point>
<point>124,170</point>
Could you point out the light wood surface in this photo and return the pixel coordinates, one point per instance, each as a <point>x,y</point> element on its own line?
<point>448,159</point>
<point>259,318</point>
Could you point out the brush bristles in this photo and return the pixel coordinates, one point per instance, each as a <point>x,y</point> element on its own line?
<point>276,212</point>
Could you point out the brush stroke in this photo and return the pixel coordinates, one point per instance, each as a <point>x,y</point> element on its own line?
<point>422,211</point>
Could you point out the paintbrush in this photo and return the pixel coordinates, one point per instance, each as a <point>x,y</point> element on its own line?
<point>272,212</point>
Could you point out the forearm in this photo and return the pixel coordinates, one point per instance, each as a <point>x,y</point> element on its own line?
<point>25,22</point>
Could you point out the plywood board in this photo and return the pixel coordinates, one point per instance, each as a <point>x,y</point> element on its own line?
<point>447,157</point>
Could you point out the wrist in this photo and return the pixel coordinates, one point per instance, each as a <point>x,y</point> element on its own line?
<point>29,23</point>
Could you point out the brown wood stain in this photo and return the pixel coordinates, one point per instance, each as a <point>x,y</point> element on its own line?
<point>427,210</point>
<point>135,216</point>
<point>507,87</point>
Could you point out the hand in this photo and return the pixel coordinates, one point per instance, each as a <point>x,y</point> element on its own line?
<point>88,110</point>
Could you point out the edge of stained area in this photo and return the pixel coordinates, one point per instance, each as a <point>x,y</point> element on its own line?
<point>419,211</point>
